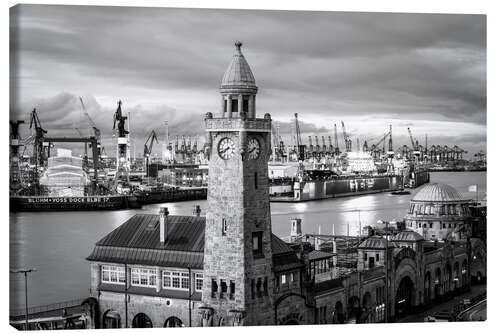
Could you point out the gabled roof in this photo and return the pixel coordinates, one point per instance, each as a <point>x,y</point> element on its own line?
<point>184,233</point>
<point>137,241</point>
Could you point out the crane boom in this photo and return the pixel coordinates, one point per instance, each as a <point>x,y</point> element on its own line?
<point>297,131</point>
<point>411,139</point>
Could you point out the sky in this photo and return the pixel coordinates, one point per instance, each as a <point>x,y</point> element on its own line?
<point>423,71</point>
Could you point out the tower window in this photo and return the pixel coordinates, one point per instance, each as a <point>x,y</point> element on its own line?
<point>257,243</point>
<point>234,105</point>
<point>253,288</point>
<point>214,288</point>
<point>224,227</point>
<point>245,104</point>
<point>377,257</point>
<point>232,289</point>
<point>266,293</point>
<point>259,287</point>
<point>223,287</point>
<point>256,180</point>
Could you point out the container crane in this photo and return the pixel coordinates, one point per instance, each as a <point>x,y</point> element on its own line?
<point>330,145</point>
<point>148,147</point>
<point>324,143</point>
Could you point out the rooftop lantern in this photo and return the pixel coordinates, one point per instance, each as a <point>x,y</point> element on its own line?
<point>238,88</point>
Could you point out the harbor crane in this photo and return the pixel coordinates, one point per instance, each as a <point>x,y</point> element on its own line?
<point>374,148</point>
<point>123,146</point>
<point>148,147</point>
<point>15,143</point>
<point>38,146</point>
<point>337,150</point>
<point>92,124</point>
<point>416,152</point>
<point>347,140</point>
<point>298,139</point>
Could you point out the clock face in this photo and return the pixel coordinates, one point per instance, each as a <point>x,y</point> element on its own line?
<point>226,148</point>
<point>253,148</point>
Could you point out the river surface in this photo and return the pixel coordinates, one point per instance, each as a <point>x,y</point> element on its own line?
<point>57,243</point>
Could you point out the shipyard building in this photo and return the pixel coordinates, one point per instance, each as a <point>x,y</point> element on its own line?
<point>227,268</point>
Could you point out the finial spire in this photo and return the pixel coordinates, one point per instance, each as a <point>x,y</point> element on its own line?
<point>238,45</point>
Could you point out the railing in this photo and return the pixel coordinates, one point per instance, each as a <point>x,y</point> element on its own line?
<point>46,308</point>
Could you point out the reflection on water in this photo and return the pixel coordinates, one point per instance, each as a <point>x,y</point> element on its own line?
<point>57,243</point>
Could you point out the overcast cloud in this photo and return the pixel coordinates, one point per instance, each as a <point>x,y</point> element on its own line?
<point>426,71</point>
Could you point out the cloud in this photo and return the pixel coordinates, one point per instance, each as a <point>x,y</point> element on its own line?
<point>167,64</point>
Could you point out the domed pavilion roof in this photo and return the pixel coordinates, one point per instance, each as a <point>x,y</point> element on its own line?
<point>238,74</point>
<point>435,192</point>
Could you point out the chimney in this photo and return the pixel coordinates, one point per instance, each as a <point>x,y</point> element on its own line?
<point>197,210</point>
<point>163,224</point>
<point>295,229</point>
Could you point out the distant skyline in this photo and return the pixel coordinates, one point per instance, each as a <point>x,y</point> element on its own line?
<point>424,71</point>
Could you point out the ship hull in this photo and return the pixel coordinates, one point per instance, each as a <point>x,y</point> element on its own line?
<point>145,198</point>
<point>318,190</point>
<point>42,203</point>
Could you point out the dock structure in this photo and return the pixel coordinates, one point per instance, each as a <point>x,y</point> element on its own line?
<point>75,314</point>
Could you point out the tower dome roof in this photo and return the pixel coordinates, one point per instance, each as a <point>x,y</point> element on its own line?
<point>238,74</point>
<point>435,192</point>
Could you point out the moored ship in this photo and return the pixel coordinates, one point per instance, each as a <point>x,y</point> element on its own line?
<point>341,186</point>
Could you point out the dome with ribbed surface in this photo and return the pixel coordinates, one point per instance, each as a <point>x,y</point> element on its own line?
<point>407,236</point>
<point>438,193</point>
<point>238,73</point>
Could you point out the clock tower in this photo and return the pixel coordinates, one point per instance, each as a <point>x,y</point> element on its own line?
<point>238,279</point>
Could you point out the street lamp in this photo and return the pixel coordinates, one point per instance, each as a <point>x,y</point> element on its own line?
<point>386,308</point>
<point>25,272</point>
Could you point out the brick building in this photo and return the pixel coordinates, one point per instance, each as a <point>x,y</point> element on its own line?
<point>228,268</point>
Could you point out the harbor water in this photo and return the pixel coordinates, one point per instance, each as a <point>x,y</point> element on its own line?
<point>57,243</point>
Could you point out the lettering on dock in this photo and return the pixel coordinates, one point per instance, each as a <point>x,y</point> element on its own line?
<point>50,200</point>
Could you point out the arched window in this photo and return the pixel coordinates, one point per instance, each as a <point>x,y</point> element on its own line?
<point>173,322</point>
<point>111,319</point>
<point>141,320</point>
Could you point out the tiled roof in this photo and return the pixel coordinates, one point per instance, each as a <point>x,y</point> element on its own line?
<point>137,241</point>
<point>238,73</point>
<point>317,255</point>
<point>184,233</point>
<point>375,243</point>
<point>407,236</point>
<point>435,192</point>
